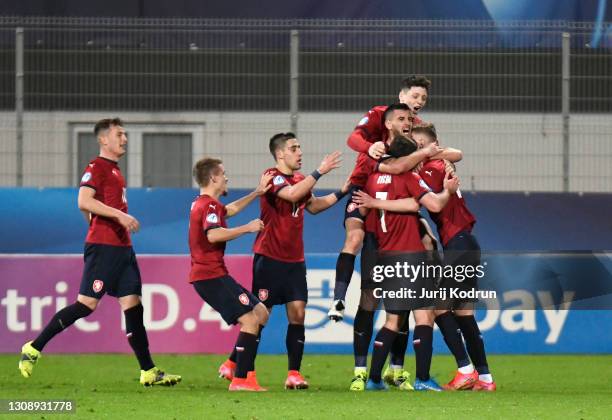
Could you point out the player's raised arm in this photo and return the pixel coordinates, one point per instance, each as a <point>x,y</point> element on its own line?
<point>318,204</point>
<point>221,234</point>
<point>294,193</point>
<point>403,205</point>
<point>237,206</point>
<point>448,153</point>
<point>87,203</point>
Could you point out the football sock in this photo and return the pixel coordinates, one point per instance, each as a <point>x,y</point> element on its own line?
<point>60,321</point>
<point>246,346</point>
<point>137,336</point>
<point>295,345</point>
<point>261,327</point>
<point>344,271</point>
<point>486,378</point>
<point>422,344</point>
<point>452,337</point>
<point>362,334</point>
<point>233,355</point>
<point>399,346</point>
<point>474,342</point>
<point>382,345</point>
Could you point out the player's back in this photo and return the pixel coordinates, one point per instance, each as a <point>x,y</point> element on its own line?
<point>395,231</point>
<point>455,216</point>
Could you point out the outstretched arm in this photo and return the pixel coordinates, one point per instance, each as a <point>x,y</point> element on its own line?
<point>221,234</point>
<point>402,205</point>
<point>237,206</point>
<point>318,204</point>
<point>295,193</point>
<point>436,202</point>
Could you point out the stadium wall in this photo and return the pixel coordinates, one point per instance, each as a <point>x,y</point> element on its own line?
<point>503,151</point>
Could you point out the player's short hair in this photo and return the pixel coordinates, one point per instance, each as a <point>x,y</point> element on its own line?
<point>428,129</point>
<point>394,107</point>
<point>106,123</point>
<point>204,169</point>
<point>278,141</point>
<point>402,146</point>
<point>415,80</point>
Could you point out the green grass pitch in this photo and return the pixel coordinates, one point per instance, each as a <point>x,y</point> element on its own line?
<point>106,386</point>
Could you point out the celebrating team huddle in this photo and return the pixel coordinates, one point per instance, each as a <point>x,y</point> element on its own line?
<point>400,168</point>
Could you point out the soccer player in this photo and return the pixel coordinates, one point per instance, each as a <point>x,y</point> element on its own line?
<point>208,234</point>
<point>279,272</point>
<point>110,262</point>
<point>397,230</point>
<point>455,223</point>
<point>370,138</point>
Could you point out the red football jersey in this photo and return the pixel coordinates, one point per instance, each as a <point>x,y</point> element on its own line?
<point>364,167</point>
<point>206,258</point>
<point>455,216</point>
<point>282,238</point>
<point>104,176</point>
<point>370,129</point>
<point>397,231</point>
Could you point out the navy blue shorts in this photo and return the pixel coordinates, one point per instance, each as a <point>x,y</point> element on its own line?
<point>462,250</point>
<point>351,210</point>
<point>226,296</point>
<point>278,282</point>
<point>369,258</point>
<point>110,269</point>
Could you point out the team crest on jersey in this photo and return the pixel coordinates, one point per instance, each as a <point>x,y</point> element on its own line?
<point>97,286</point>
<point>244,299</point>
<point>424,185</point>
<point>278,180</point>
<point>363,121</point>
<point>263,294</point>
<point>86,177</point>
<point>351,207</point>
<point>212,218</point>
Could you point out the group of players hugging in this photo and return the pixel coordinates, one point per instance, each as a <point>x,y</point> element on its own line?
<point>400,167</point>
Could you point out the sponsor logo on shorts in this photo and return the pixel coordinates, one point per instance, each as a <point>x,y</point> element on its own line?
<point>263,294</point>
<point>351,207</point>
<point>244,299</point>
<point>97,286</point>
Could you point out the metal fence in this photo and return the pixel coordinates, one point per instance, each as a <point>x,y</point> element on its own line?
<point>531,112</point>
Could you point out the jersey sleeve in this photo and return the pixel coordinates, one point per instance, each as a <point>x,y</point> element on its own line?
<point>417,188</point>
<point>367,131</point>
<point>433,177</point>
<point>278,183</point>
<point>214,214</point>
<point>92,177</point>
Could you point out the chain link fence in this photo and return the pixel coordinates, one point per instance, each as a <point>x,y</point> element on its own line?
<point>225,86</point>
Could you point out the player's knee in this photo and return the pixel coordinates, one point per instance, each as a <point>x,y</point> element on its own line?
<point>392,322</point>
<point>424,317</point>
<point>249,323</point>
<point>261,312</point>
<point>353,241</point>
<point>91,303</point>
<point>427,242</point>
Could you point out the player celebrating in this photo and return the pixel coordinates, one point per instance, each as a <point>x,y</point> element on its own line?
<point>370,138</point>
<point>397,230</point>
<point>110,262</point>
<point>208,234</point>
<point>455,223</point>
<point>279,272</point>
